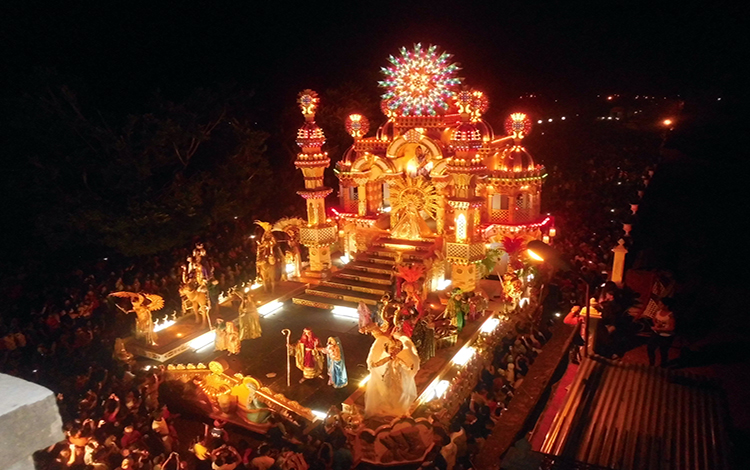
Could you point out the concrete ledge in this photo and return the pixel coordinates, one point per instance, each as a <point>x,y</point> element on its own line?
<point>29,421</point>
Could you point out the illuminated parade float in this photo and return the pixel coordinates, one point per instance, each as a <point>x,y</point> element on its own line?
<point>429,205</point>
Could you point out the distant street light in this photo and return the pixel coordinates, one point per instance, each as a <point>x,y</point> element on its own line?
<point>667,122</point>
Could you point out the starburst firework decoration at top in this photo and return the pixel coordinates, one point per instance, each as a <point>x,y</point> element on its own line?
<point>421,82</point>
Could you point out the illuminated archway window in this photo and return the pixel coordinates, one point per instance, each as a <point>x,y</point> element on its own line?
<point>461,228</point>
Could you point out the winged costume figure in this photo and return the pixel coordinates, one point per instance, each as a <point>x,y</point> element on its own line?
<point>142,306</point>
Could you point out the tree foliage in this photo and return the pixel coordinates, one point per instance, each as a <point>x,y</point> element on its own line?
<point>145,185</point>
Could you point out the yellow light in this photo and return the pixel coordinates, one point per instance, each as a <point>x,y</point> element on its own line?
<point>461,228</point>
<point>667,122</point>
<point>364,381</point>
<point>533,255</point>
<point>270,308</point>
<point>463,355</point>
<point>552,232</point>
<point>490,325</point>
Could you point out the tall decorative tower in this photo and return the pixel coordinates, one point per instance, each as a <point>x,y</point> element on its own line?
<point>319,234</point>
<point>465,248</point>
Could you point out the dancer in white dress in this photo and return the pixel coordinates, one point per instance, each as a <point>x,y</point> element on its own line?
<point>393,364</point>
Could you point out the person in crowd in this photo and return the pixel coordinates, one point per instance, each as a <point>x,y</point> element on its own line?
<point>662,333</point>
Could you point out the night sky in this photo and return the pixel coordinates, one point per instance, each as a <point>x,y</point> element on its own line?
<point>121,52</point>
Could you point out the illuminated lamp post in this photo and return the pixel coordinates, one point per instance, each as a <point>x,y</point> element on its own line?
<point>542,252</point>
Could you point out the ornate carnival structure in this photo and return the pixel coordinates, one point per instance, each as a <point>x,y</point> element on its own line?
<point>433,185</point>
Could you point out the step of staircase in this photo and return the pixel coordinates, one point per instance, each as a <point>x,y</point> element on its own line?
<point>359,286</point>
<point>364,266</point>
<point>385,254</point>
<point>364,276</point>
<point>344,294</point>
<point>317,301</point>
<point>400,243</point>
<point>377,258</point>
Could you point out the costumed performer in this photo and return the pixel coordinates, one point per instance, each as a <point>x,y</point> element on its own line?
<point>307,356</point>
<point>249,317</point>
<point>376,393</point>
<point>391,389</point>
<point>335,362</point>
<point>457,309</point>
<point>423,338</point>
<point>220,343</point>
<point>142,306</point>
<point>365,317</point>
<point>232,338</point>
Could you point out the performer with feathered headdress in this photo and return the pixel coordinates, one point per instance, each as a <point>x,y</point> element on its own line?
<point>142,306</point>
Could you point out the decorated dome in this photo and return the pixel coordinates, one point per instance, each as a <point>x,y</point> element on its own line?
<point>516,158</point>
<point>466,136</point>
<point>310,136</point>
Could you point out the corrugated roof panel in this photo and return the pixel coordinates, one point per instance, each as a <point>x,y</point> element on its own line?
<point>628,416</point>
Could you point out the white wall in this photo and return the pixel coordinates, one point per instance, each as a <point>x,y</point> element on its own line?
<point>29,421</point>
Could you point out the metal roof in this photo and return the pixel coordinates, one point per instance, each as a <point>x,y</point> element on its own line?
<point>630,416</point>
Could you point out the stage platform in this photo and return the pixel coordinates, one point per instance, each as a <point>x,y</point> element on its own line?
<point>185,334</point>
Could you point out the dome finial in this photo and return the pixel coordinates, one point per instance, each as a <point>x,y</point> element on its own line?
<point>518,125</point>
<point>308,101</point>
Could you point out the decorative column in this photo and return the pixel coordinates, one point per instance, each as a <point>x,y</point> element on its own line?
<point>465,249</point>
<point>618,265</point>
<point>319,234</point>
<point>361,179</point>
<point>374,196</point>
<point>440,182</point>
<point>357,126</point>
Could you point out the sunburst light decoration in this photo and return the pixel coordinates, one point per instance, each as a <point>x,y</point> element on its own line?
<point>414,194</point>
<point>421,82</point>
<point>518,125</point>
<point>357,125</point>
<point>308,101</point>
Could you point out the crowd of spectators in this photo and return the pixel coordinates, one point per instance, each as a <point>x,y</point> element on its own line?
<point>116,417</point>
<point>459,442</point>
<point>71,320</point>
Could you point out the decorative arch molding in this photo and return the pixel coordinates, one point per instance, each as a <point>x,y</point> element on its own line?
<point>401,141</point>
<point>369,161</point>
<point>439,168</point>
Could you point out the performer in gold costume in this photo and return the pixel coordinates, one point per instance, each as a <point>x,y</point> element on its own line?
<point>142,306</point>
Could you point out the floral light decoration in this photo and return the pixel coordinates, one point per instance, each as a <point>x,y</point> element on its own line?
<point>308,101</point>
<point>518,125</point>
<point>513,246</point>
<point>357,125</point>
<point>464,101</point>
<point>420,82</point>
<point>480,104</point>
<point>472,102</point>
